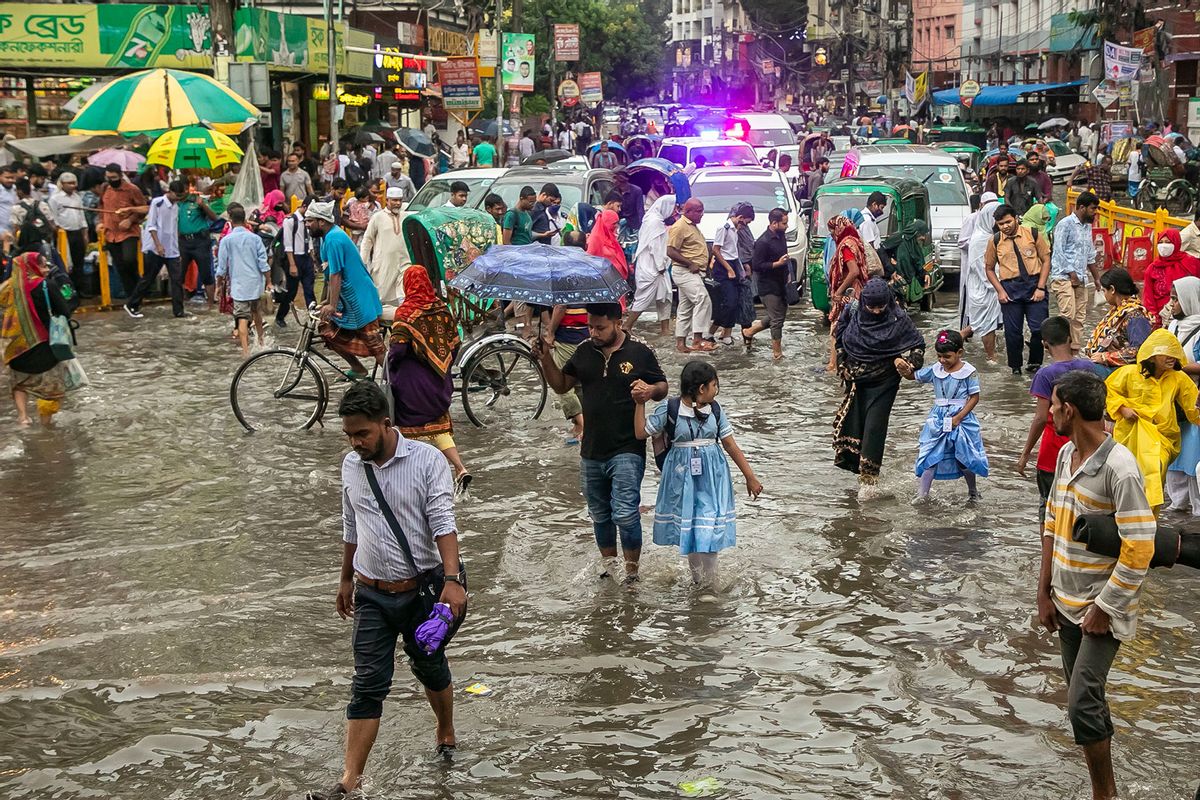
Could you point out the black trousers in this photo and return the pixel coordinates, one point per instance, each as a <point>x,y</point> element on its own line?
<point>198,248</point>
<point>77,249</point>
<point>303,278</point>
<point>153,264</point>
<point>122,256</point>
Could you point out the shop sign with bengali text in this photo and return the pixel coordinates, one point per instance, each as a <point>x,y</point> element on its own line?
<point>566,42</point>
<point>459,77</point>
<point>591,88</point>
<point>1144,40</point>
<point>487,48</point>
<point>443,40</point>
<point>967,93</point>
<point>128,36</point>
<point>516,66</point>
<point>1106,93</point>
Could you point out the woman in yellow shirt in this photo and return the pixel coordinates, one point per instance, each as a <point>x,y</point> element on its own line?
<point>1142,400</point>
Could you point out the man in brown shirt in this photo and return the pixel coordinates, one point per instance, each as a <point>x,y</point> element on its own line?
<point>1017,262</point>
<point>688,251</point>
<point>119,217</point>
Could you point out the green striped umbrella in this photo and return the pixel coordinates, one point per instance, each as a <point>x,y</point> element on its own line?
<point>156,100</point>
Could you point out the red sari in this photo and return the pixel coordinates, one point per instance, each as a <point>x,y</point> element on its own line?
<point>849,248</point>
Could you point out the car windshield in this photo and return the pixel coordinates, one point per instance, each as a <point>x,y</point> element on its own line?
<point>943,182</point>
<point>437,193</point>
<point>510,189</point>
<point>726,155</point>
<point>769,137</point>
<point>830,205</point>
<point>720,196</point>
<point>1059,149</point>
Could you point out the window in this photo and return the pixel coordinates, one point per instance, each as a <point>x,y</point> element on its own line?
<point>949,33</point>
<point>708,26</point>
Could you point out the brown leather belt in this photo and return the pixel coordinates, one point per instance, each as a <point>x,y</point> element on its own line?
<point>392,587</point>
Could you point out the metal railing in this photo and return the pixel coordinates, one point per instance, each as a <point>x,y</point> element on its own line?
<point>1124,223</point>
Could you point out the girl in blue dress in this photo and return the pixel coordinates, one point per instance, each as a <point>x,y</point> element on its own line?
<point>951,445</point>
<point>695,508</point>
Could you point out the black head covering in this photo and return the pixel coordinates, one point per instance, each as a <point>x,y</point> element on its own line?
<point>875,337</point>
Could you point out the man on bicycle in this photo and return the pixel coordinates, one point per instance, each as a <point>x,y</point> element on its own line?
<point>350,310</point>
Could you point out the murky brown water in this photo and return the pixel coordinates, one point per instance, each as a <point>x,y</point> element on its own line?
<point>167,626</point>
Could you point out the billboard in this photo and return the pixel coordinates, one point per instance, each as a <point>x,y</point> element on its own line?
<point>566,42</point>
<point>517,62</point>
<point>591,89</point>
<point>459,76</point>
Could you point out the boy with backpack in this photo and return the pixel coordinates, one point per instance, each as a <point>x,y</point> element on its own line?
<point>1017,264</point>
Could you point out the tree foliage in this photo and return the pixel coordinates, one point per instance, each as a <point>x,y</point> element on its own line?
<point>623,40</point>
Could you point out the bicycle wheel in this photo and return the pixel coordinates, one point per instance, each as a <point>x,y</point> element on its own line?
<point>503,384</point>
<point>1179,199</point>
<point>1145,200</point>
<point>275,390</point>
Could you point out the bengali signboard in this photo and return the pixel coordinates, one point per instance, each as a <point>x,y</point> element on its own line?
<point>516,66</point>
<point>566,42</point>
<point>1121,63</point>
<point>130,36</point>
<point>591,90</point>
<point>487,48</point>
<point>459,76</point>
<point>967,93</point>
<point>1105,93</point>
<point>568,93</point>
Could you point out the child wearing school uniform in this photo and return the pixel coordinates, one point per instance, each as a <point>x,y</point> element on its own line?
<point>951,445</point>
<point>695,508</point>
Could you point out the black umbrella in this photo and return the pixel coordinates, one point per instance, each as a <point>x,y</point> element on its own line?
<point>416,142</point>
<point>488,127</point>
<point>363,137</point>
<point>549,156</point>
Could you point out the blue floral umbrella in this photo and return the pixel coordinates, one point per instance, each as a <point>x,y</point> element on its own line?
<point>542,274</point>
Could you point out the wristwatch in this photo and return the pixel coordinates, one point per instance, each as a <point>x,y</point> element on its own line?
<point>455,579</point>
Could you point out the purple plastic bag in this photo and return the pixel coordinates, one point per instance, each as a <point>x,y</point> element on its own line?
<point>432,632</point>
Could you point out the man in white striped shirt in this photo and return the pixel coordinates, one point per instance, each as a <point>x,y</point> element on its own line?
<point>1092,600</point>
<point>389,589</point>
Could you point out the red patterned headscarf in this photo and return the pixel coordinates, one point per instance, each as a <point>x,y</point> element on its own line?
<point>424,322</point>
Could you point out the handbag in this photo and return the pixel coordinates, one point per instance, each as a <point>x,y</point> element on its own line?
<point>226,306</point>
<point>74,377</point>
<point>60,339</point>
<point>429,582</point>
<point>791,293</point>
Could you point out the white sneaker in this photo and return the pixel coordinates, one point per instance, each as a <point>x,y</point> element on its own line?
<point>132,313</point>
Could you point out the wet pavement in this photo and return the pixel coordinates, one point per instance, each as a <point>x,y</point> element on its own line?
<point>167,627</point>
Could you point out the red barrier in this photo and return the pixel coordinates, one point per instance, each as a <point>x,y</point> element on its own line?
<point>1139,253</point>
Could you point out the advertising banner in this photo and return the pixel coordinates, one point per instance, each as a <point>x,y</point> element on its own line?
<point>459,77</point>
<point>516,66</point>
<point>289,41</point>
<point>1121,63</point>
<point>1105,93</point>
<point>129,36</point>
<point>487,48</point>
<point>566,42</point>
<point>591,89</point>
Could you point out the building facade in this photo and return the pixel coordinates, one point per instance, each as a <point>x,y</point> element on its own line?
<point>936,35</point>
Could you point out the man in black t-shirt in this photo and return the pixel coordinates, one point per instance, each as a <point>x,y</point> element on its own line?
<point>612,371</point>
<point>545,213</point>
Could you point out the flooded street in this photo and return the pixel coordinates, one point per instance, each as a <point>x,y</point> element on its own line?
<point>167,626</point>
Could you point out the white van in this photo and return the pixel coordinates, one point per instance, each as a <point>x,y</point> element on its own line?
<point>761,131</point>
<point>938,172</point>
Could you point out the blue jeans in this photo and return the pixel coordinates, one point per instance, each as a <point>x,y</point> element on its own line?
<point>613,489</point>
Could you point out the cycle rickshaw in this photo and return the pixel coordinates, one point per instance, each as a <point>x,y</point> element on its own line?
<point>495,372</point>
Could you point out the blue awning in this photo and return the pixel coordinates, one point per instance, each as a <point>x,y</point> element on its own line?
<point>1000,95</point>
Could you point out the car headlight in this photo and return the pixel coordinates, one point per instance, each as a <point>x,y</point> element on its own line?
<point>950,235</point>
<point>792,235</point>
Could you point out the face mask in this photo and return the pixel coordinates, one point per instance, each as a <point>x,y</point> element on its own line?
<point>1166,249</point>
<point>114,182</point>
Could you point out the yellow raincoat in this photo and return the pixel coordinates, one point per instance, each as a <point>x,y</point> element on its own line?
<point>1154,436</point>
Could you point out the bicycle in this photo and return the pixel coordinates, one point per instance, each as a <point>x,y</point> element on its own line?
<point>498,377</point>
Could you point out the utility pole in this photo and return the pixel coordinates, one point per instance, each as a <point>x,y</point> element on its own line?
<point>331,49</point>
<point>499,85</point>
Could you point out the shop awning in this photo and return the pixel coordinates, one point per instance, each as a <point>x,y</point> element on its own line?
<point>1001,95</point>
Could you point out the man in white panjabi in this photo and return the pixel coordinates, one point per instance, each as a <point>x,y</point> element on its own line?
<point>383,251</point>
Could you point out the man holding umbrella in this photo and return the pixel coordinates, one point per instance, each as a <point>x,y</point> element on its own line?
<point>612,371</point>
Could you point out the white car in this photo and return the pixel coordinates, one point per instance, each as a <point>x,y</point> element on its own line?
<point>720,188</point>
<point>763,132</point>
<point>682,150</point>
<point>938,172</point>
<point>1065,161</point>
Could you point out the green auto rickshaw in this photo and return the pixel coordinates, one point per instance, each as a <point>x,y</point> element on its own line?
<point>907,202</point>
<point>974,152</point>
<point>966,134</point>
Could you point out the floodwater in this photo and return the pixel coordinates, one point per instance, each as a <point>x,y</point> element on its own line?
<point>167,627</point>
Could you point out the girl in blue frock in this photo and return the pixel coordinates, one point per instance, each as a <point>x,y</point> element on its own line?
<point>951,445</point>
<point>695,508</point>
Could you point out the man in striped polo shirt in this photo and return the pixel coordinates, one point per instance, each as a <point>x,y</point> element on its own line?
<point>400,549</point>
<point>1091,600</point>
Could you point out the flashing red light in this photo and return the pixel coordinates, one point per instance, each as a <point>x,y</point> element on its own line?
<point>737,130</point>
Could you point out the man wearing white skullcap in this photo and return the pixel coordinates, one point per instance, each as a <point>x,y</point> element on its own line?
<point>383,251</point>
<point>350,311</point>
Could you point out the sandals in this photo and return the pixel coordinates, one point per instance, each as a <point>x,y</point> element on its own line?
<point>462,483</point>
<point>335,792</point>
<point>446,751</point>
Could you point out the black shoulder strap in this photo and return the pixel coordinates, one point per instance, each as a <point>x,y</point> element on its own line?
<point>390,516</point>
<point>716,409</point>
<point>672,419</point>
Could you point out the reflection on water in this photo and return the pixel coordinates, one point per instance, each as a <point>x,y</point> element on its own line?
<point>168,623</point>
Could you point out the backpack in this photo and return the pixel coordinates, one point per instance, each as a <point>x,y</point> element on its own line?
<point>35,227</point>
<point>996,236</point>
<point>355,174</point>
<point>665,439</point>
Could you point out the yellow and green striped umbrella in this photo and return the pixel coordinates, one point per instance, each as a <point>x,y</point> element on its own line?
<point>194,147</point>
<point>157,100</point>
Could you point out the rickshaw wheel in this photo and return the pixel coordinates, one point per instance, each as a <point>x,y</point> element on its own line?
<point>503,384</point>
<point>1144,199</point>
<point>1179,199</point>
